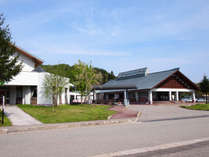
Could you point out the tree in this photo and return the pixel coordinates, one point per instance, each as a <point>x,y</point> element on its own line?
<point>70,72</point>
<point>105,75</point>
<point>204,86</point>
<point>9,66</point>
<point>86,78</point>
<point>54,85</point>
<point>111,76</point>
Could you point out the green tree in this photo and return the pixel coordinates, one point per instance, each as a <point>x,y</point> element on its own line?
<point>70,72</point>
<point>9,66</point>
<point>105,75</point>
<point>204,86</point>
<point>111,76</point>
<point>54,85</point>
<point>86,78</point>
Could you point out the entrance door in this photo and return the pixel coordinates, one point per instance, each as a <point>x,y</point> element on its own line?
<point>34,95</point>
<point>160,96</point>
<point>19,96</point>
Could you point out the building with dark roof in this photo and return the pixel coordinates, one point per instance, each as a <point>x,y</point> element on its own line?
<point>141,87</point>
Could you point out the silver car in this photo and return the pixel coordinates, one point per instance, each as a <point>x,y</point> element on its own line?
<point>201,100</point>
<point>187,99</point>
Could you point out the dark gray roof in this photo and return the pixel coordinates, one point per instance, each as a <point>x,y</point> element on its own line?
<point>133,73</point>
<point>138,82</point>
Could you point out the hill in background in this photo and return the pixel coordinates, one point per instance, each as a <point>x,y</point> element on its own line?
<point>69,72</point>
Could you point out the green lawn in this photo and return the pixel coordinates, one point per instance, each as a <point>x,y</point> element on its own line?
<point>204,107</point>
<point>68,113</point>
<point>6,121</point>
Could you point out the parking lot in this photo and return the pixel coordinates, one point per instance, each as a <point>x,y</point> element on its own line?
<point>166,112</point>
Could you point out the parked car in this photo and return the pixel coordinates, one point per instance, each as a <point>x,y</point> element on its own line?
<point>187,99</point>
<point>201,100</point>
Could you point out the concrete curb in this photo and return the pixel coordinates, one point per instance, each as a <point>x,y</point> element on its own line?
<point>16,129</point>
<point>109,117</point>
<point>3,131</point>
<point>153,148</point>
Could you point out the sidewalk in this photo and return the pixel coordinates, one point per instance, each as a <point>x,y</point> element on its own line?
<point>19,117</point>
<point>26,128</point>
<point>23,122</point>
<point>123,112</point>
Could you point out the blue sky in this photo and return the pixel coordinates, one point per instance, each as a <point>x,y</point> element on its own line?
<point>115,35</point>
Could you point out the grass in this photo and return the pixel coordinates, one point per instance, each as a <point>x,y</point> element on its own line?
<point>68,113</point>
<point>6,121</point>
<point>204,107</point>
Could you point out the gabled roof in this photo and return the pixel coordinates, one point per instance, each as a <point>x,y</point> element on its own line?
<point>37,60</point>
<point>180,77</point>
<point>153,79</point>
<point>148,81</point>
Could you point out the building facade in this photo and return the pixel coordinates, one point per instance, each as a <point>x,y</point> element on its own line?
<point>27,87</point>
<point>141,87</point>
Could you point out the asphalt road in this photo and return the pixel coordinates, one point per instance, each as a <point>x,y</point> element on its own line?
<point>88,141</point>
<point>194,150</point>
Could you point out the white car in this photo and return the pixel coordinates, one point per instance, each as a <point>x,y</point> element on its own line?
<point>187,99</point>
<point>201,100</point>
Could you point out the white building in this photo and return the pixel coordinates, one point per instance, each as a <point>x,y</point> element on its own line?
<point>76,97</point>
<point>27,86</point>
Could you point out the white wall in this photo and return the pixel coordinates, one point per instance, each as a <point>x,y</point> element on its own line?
<point>41,97</point>
<point>28,63</point>
<point>25,78</point>
<point>68,96</point>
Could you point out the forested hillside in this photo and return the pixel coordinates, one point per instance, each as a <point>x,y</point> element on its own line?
<point>70,72</point>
